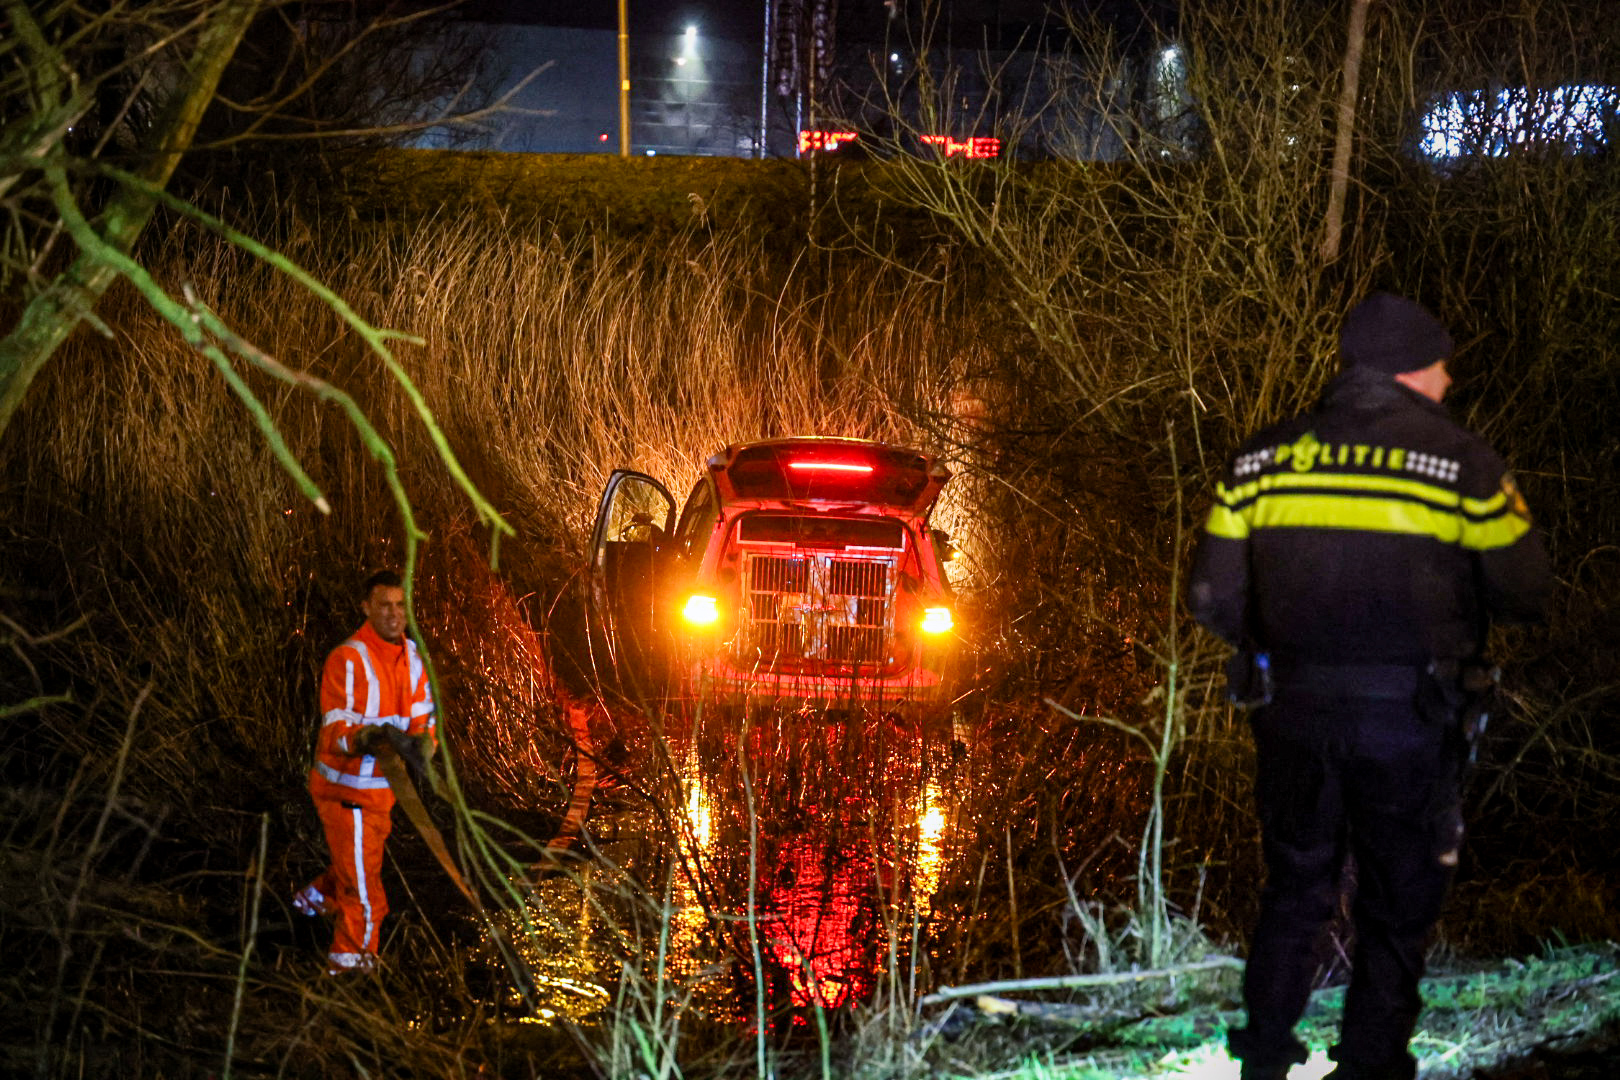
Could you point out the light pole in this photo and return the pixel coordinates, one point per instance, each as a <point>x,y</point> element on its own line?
<point>624,78</point>
<point>765,81</point>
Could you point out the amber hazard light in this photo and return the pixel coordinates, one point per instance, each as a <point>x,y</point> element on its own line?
<point>700,610</point>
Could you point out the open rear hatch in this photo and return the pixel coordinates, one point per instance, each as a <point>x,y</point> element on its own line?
<point>842,472</point>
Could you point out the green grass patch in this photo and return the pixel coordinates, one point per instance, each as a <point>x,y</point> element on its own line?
<point>1486,1021</point>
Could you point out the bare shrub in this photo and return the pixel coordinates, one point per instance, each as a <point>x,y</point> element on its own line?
<point>1174,299</point>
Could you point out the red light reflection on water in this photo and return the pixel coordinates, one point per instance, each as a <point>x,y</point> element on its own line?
<point>849,830</point>
<point>822,905</point>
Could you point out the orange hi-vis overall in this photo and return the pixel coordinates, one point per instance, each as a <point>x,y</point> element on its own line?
<point>366,681</point>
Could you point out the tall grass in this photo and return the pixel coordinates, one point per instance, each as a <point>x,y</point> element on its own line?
<point>210,589</point>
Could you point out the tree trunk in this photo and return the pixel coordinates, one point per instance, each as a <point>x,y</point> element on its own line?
<point>1347,121</point>
<point>54,313</point>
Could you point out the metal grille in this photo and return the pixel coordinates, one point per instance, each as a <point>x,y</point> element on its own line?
<point>816,608</point>
<point>846,577</point>
<point>771,574</point>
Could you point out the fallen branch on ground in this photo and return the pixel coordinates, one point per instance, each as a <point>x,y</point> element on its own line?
<point>1070,982</point>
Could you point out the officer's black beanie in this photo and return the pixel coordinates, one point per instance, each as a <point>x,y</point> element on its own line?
<point>1392,334</point>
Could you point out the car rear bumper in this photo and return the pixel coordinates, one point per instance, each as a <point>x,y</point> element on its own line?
<point>729,685</point>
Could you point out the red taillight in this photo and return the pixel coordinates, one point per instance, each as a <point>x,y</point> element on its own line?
<point>830,466</point>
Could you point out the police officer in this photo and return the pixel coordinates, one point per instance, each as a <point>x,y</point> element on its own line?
<point>1354,556</point>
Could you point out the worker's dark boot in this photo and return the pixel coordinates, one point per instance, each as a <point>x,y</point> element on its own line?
<point>1256,1071</point>
<point>1266,1055</point>
<point>1405,1069</point>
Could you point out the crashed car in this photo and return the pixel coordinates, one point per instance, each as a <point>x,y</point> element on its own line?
<point>800,572</point>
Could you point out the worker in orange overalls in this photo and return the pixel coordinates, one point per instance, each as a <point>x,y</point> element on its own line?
<point>374,693</point>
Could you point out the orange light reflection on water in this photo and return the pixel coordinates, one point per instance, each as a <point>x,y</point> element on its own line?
<point>930,848</point>
<point>563,963</point>
<point>687,919</point>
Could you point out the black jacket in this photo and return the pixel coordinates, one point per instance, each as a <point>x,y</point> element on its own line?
<point>1373,530</point>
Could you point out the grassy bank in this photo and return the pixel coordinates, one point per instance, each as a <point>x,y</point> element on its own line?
<point>169,609</point>
<point>1553,1014</point>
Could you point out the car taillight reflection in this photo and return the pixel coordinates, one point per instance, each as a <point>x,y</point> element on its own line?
<point>937,620</point>
<point>821,913</point>
<point>701,610</point>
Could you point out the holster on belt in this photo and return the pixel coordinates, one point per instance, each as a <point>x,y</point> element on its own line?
<point>1460,695</point>
<point>1248,678</point>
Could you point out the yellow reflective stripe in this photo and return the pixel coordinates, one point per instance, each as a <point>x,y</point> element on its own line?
<point>1226,524</point>
<point>1349,481</point>
<point>1285,511</point>
<point>1276,501</point>
<point>1496,532</point>
<point>1395,485</point>
<point>1483,507</point>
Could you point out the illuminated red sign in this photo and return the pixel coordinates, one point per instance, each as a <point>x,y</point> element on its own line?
<point>974,146</point>
<point>813,140</point>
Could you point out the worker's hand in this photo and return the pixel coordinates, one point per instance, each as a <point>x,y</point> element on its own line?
<point>415,749</point>
<point>370,739</point>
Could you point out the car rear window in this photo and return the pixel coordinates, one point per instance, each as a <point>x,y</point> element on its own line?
<point>866,532</point>
<point>875,474</point>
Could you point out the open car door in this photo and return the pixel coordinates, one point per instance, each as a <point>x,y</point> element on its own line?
<point>635,517</point>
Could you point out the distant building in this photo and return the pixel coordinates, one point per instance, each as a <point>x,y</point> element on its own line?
<point>1493,123</point>
<point>689,95</point>
<point>970,78</point>
<point>979,85</point>
<point>693,89</point>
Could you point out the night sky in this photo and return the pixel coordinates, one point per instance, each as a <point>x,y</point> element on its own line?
<point>1004,21</point>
